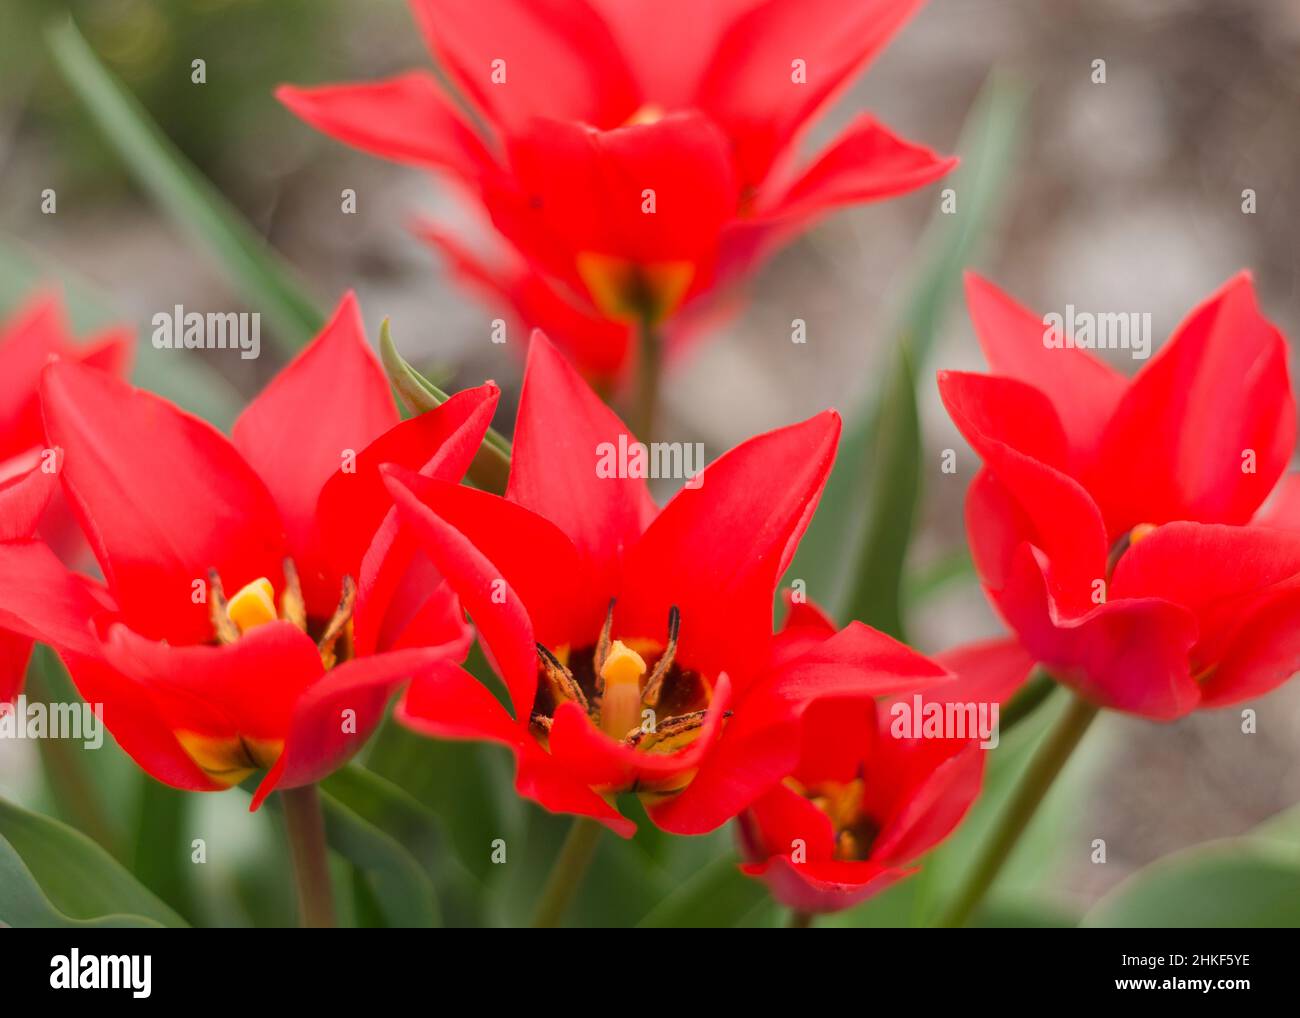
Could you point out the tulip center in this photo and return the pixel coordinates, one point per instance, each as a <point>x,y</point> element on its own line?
<point>1139,533</point>
<point>842,802</point>
<point>629,291</point>
<point>634,690</point>
<point>254,604</point>
<point>228,760</point>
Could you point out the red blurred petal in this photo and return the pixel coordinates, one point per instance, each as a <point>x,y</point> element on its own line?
<point>42,599</point>
<point>15,652</point>
<point>407,118</point>
<point>559,57</point>
<point>823,886</point>
<point>749,87</point>
<point>25,491</point>
<point>989,671</point>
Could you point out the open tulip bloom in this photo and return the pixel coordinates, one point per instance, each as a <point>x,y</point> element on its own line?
<point>636,644</point>
<point>633,156</point>
<point>1116,523</point>
<point>237,629</point>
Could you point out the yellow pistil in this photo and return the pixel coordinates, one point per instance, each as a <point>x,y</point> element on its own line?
<point>228,761</point>
<point>253,605</point>
<point>620,706</point>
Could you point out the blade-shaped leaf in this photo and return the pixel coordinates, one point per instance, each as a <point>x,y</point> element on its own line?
<point>182,192</point>
<point>79,878</point>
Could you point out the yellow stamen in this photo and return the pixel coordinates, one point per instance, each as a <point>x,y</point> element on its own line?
<point>649,113</point>
<point>228,761</point>
<point>620,706</point>
<point>630,291</point>
<point>253,606</point>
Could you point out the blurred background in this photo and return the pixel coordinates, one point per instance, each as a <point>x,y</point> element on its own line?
<point>1123,196</point>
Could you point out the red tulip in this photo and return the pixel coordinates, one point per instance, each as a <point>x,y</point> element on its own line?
<point>636,644</point>
<point>633,157</point>
<point>240,627</point>
<point>864,803</point>
<point>1112,522</point>
<point>29,500</point>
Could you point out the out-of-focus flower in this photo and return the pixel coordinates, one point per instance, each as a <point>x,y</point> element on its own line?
<point>867,798</point>
<point>634,157</point>
<point>1112,522</point>
<point>239,627</point>
<point>635,643</point>
<point>30,504</point>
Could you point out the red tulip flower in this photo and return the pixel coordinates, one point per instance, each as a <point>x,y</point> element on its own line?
<point>240,627</point>
<point>632,156</point>
<point>1114,522</point>
<point>866,798</point>
<point>635,644</point>
<point>29,500</point>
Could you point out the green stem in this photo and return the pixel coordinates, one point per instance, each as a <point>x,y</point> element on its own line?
<point>648,369</point>
<point>306,824</point>
<point>800,920</point>
<point>1034,783</point>
<point>567,873</point>
<point>1038,688</point>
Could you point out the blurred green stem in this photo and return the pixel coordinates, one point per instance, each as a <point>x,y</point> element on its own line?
<point>649,366</point>
<point>1046,764</point>
<point>800,920</point>
<point>567,873</point>
<point>306,823</point>
<point>1038,688</point>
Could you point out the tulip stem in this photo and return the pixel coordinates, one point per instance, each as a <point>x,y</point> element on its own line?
<point>306,824</point>
<point>800,920</point>
<point>1046,764</point>
<point>567,873</point>
<point>648,369</point>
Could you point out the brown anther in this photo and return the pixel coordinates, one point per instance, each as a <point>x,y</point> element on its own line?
<point>218,610</point>
<point>654,685</point>
<point>339,625</point>
<point>292,606</point>
<point>542,723</point>
<point>563,678</point>
<point>682,724</point>
<point>602,647</point>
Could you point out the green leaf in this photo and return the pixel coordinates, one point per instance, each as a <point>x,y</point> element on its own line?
<point>837,537</point>
<point>182,192</point>
<point>162,846</point>
<point>397,886</point>
<point>23,904</point>
<point>79,878</point>
<point>894,480</point>
<point>717,895</point>
<point>1231,884</point>
<point>491,467</point>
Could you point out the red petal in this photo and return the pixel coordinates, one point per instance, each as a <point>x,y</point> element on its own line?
<point>1263,653</point>
<point>33,335</point>
<point>750,89</point>
<point>15,652</point>
<point>130,712</point>
<point>1283,507</point>
<point>782,821</point>
<point>867,162</point>
<point>718,549</point>
<point>823,886</point>
<point>25,491</point>
<point>558,57</point>
<point>247,688</point>
<point>836,737</point>
<point>933,783</point>
<point>989,671</point>
<point>353,503</point>
<point>561,428</point>
<point>329,403</point>
<point>162,498</point>
<point>1176,445</point>
<point>407,118</point>
<point>42,599</point>
<point>319,741</point>
<point>497,610</point>
<point>1083,389</point>
<point>1014,429</point>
